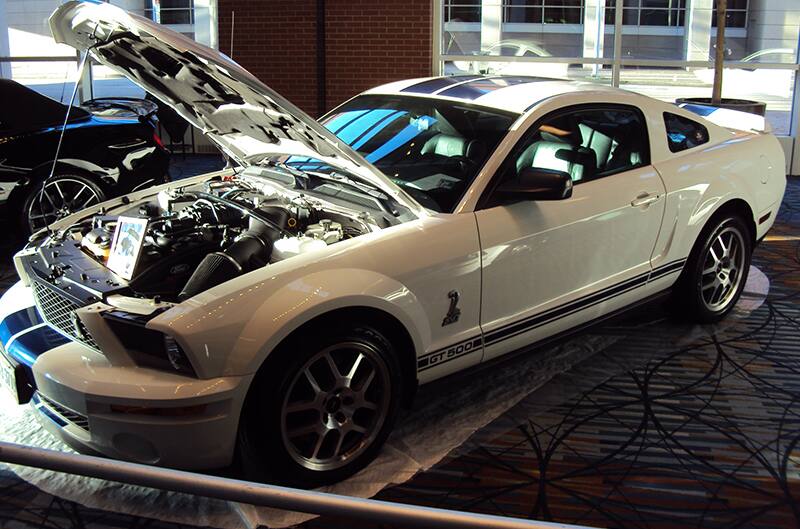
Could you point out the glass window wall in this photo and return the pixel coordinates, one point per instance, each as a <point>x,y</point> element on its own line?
<point>32,58</point>
<point>666,47</point>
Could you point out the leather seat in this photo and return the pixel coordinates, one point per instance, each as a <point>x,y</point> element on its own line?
<point>445,145</point>
<point>578,162</point>
<point>597,142</point>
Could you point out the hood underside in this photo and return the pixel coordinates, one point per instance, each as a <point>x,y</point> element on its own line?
<point>243,116</point>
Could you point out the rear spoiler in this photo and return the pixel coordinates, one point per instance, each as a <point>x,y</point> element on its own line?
<point>730,119</point>
<point>120,106</point>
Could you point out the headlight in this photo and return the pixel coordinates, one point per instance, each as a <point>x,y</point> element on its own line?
<point>148,348</point>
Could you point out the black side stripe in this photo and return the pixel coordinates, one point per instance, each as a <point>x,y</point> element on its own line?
<point>511,330</point>
<point>561,311</point>
<point>568,309</point>
<point>449,353</point>
<point>667,269</point>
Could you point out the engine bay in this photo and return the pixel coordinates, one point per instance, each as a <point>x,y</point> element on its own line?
<point>186,240</point>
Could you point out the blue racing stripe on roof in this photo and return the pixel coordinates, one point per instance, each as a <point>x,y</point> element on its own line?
<point>475,89</point>
<point>432,85</point>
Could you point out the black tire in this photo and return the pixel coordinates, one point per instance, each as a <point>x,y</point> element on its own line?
<point>701,283</point>
<point>79,192</point>
<point>265,449</point>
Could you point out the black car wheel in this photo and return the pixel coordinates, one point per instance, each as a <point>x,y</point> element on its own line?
<point>63,195</point>
<point>325,413</point>
<point>717,270</point>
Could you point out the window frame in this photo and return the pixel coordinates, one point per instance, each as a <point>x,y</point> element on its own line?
<point>485,200</point>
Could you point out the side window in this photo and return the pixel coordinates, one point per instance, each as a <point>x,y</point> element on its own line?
<point>587,144</point>
<point>683,133</point>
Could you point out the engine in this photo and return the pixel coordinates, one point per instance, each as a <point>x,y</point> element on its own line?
<point>197,237</point>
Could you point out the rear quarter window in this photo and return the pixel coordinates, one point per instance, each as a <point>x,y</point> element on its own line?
<point>684,133</point>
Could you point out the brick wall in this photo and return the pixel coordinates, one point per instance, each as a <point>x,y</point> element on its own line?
<point>368,42</point>
<point>276,41</point>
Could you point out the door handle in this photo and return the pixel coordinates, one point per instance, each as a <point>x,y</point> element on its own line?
<point>645,199</point>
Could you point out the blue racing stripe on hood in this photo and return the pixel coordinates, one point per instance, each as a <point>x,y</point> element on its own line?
<point>27,347</point>
<point>17,322</point>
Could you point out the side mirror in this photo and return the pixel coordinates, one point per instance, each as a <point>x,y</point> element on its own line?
<point>535,183</point>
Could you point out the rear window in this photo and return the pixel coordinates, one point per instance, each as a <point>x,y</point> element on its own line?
<point>684,133</point>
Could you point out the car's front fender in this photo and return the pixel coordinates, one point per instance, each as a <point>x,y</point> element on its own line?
<point>236,334</point>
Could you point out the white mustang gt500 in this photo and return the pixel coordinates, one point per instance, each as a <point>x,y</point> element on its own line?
<point>284,310</point>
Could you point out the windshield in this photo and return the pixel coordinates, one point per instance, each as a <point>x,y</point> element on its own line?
<point>433,149</point>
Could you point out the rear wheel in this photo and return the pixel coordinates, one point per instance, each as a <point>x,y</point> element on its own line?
<point>325,413</point>
<point>717,269</point>
<point>63,195</point>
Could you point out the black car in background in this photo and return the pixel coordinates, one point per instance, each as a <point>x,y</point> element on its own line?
<point>110,148</point>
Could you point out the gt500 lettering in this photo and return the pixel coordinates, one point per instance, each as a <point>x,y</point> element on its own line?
<point>450,353</point>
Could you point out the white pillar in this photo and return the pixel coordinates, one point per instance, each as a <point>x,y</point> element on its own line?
<point>491,23</point>
<point>205,22</point>
<point>5,67</point>
<point>697,41</point>
<point>594,27</point>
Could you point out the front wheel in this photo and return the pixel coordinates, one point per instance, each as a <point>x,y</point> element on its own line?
<point>63,194</point>
<point>322,409</point>
<point>717,270</point>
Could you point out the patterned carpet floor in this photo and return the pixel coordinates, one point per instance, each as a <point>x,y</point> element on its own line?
<point>672,426</point>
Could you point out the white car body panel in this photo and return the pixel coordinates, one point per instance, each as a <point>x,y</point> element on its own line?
<point>404,271</point>
<point>523,273</point>
<point>540,256</point>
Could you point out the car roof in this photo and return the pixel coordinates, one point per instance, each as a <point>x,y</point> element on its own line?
<point>510,93</point>
<point>30,109</point>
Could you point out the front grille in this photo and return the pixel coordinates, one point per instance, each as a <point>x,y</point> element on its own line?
<point>81,421</point>
<point>59,313</point>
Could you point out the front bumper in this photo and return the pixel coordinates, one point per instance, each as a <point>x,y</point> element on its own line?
<point>100,404</point>
<point>137,414</point>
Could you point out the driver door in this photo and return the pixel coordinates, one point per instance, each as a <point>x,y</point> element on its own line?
<point>549,266</point>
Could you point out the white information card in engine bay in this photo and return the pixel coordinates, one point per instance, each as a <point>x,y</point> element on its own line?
<point>126,246</point>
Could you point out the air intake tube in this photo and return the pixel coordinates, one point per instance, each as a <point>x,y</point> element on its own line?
<point>251,250</point>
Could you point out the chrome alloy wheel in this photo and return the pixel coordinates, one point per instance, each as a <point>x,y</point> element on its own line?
<point>722,269</point>
<point>336,406</point>
<point>62,196</point>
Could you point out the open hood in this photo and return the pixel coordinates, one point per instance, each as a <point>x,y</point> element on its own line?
<point>242,115</point>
